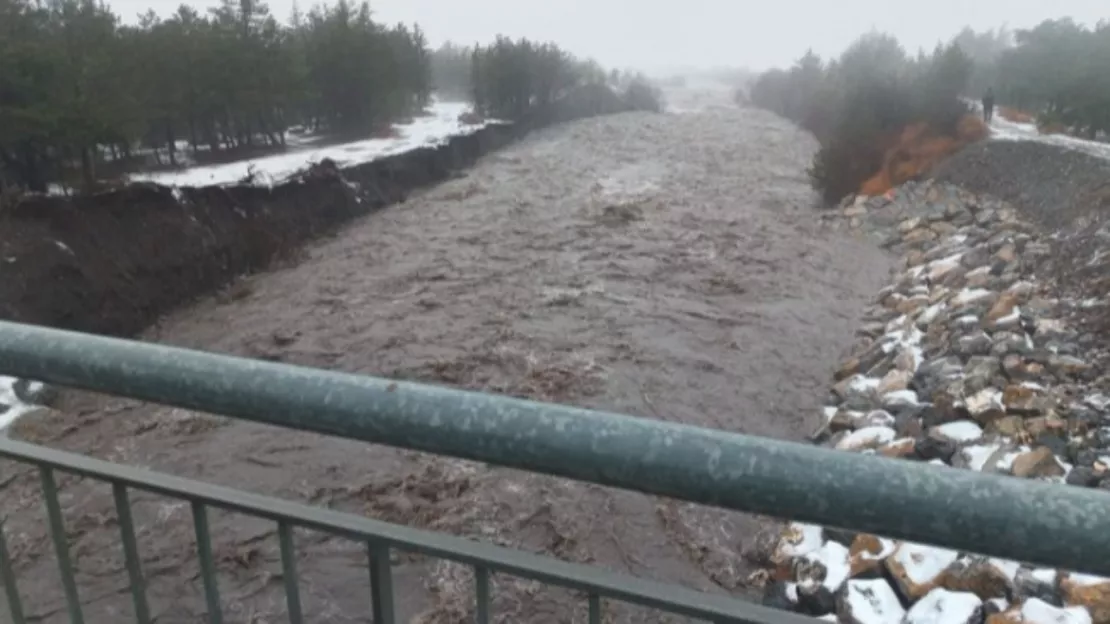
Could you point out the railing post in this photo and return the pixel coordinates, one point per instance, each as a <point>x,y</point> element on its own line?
<point>595,608</point>
<point>289,571</point>
<point>207,564</point>
<point>7,574</point>
<point>131,553</point>
<point>381,583</point>
<point>481,591</point>
<point>61,543</point>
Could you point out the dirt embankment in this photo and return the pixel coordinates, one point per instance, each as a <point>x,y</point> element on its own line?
<point>113,262</point>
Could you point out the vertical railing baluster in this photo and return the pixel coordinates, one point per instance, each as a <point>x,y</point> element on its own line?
<point>207,564</point>
<point>131,553</point>
<point>7,574</point>
<point>289,571</point>
<point>481,590</point>
<point>61,543</point>
<point>595,608</point>
<point>381,582</point>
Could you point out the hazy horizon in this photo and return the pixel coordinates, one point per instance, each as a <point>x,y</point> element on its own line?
<point>700,34</point>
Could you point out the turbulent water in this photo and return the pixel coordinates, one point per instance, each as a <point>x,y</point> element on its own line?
<point>667,266</point>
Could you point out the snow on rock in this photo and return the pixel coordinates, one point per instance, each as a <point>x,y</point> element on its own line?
<point>1085,580</point>
<point>867,554</point>
<point>436,128</point>
<point>971,295</point>
<point>899,398</point>
<point>941,606</point>
<point>870,602</point>
<point>867,438</point>
<point>984,401</point>
<point>799,539</point>
<point>959,431</point>
<point>1006,567</point>
<point>832,558</point>
<point>12,407</point>
<point>917,567</point>
<point>939,268</point>
<point>1037,611</point>
<point>1011,385</point>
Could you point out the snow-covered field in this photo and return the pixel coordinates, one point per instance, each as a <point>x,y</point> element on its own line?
<point>440,124</point>
<point>1004,130</point>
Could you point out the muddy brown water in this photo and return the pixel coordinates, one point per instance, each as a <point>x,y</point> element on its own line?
<point>664,266</point>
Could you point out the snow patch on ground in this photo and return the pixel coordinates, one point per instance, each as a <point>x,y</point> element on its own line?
<point>436,128</point>
<point>923,563</point>
<point>833,557</point>
<point>873,602</point>
<point>1036,611</point>
<point>941,606</point>
<point>15,406</point>
<point>1004,130</point>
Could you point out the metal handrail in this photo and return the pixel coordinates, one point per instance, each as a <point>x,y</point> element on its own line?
<point>959,509</point>
<point>487,558</point>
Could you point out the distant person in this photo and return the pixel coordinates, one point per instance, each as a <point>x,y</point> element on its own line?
<point>988,105</point>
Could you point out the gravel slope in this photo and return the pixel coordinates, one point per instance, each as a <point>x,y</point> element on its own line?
<point>667,266</point>
<point>1052,184</point>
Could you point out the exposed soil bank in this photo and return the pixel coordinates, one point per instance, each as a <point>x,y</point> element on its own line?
<point>666,266</point>
<point>114,262</point>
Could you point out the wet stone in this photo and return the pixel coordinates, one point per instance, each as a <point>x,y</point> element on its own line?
<point>978,343</point>
<point>1038,584</point>
<point>1093,593</point>
<point>1082,476</point>
<point>777,596</point>
<point>1010,343</point>
<point>978,576</point>
<point>908,421</point>
<point>1007,426</point>
<point>930,448</point>
<point>1053,442</point>
<point>816,600</point>
<point>1038,463</point>
<point>1067,365</point>
<point>841,536</point>
<point>980,372</point>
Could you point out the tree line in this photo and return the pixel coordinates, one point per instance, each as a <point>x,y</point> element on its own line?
<point>507,78</point>
<point>78,86</point>
<point>1058,70</point>
<point>84,96</point>
<point>860,104</point>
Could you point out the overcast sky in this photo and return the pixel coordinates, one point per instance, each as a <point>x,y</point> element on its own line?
<point>660,34</point>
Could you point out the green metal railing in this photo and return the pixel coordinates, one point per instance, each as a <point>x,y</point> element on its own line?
<point>1035,522</point>
<point>380,539</point>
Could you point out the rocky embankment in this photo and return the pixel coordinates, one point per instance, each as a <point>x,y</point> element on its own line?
<point>977,357</point>
<point>1050,184</point>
